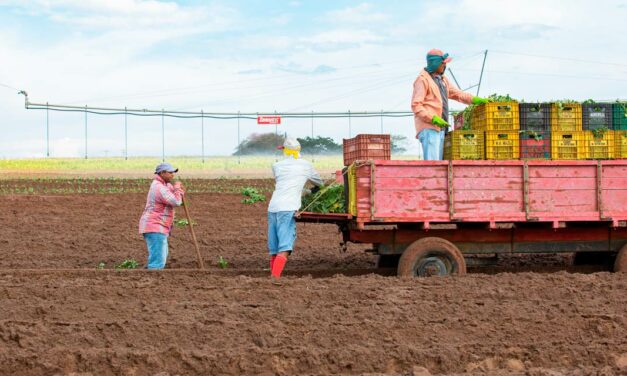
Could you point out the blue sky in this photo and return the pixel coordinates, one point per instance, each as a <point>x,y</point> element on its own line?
<point>284,56</point>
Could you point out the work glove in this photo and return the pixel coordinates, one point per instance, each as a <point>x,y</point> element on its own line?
<point>479,100</point>
<point>439,121</point>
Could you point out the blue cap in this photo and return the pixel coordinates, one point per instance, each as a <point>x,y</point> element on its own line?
<point>165,167</point>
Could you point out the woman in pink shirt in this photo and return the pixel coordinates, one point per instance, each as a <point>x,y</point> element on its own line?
<point>156,221</point>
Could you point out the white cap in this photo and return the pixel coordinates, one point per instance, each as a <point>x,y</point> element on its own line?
<point>291,144</point>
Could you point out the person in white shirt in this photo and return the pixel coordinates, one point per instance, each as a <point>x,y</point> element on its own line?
<point>290,174</point>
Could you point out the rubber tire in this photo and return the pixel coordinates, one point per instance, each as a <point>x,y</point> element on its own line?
<point>620,265</point>
<point>428,247</point>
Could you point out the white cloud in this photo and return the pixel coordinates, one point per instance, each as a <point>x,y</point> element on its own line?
<point>129,14</point>
<point>345,36</point>
<point>114,51</point>
<point>362,13</point>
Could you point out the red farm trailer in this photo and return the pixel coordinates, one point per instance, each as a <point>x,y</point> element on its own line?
<point>437,214</point>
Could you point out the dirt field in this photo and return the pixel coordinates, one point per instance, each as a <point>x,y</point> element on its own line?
<point>76,319</point>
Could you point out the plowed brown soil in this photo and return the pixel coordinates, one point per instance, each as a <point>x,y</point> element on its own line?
<point>87,321</point>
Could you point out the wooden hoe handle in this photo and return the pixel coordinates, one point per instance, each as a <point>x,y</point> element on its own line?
<point>201,264</point>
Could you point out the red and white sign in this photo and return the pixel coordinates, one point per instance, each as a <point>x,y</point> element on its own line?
<point>268,120</point>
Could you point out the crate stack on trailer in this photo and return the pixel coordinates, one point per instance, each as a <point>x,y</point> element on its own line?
<point>535,131</point>
<point>619,120</point>
<point>564,130</point>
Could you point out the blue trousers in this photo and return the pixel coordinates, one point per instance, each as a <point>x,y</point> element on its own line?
<point>432,143</point>
<point>281,232</point>
<point>157,249</point>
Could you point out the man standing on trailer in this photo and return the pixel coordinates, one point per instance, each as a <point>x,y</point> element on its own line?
<point>429,103</point>
<point>156,220</point>
<point>290,174</point>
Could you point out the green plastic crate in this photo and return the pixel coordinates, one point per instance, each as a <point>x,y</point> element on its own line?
<point>619,116</point>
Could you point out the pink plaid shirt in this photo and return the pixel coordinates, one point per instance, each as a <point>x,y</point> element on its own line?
<point>159,211</point>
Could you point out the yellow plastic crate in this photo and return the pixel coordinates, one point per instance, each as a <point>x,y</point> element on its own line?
<point>601,145</point>
<point>568,145</point>
<point>496,116</point>
<point>502,145</point>
<point>620,144</point>
<point>464,145</point>
<point>566,119</point>
<point>352,190</point>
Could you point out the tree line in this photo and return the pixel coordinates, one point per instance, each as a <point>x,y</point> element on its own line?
<point>266,143</point>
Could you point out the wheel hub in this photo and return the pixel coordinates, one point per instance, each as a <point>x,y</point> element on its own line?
<point>431,266</point>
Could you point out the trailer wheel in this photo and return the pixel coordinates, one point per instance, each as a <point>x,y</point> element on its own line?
<point>620,265</point>
<point>431,257</point>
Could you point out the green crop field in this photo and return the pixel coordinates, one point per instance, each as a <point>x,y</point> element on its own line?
<point>212,167</point>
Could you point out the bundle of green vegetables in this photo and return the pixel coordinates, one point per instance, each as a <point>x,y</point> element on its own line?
<point>329,199</point>
<point>493,98</point>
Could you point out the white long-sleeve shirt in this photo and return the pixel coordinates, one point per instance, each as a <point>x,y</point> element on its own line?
<point>291,175</point>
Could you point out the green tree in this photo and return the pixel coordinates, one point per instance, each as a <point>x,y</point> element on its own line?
<point>319,145</point>
<point>398,143</point>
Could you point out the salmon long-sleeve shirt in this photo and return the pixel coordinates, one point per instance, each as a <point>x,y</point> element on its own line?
<point>159,211</point>
<point>426,100</point>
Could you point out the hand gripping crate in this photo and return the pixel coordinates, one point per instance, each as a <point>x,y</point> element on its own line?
<point>535,117</point>
<point>567,145</point>
<point>502,145</point>
<point>566,118</point>
<point>619,116</point>
<point>365,147</point>
<point>620,144</point>
<point>496,116</point>
<point>600,144</point>
<point>464,145</point>
<point>597,116</point>
<point>535,144</point>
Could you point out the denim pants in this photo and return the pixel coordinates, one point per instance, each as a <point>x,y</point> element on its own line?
<point>157,249</point>
<point>281,232</point>
<point>432,144</point>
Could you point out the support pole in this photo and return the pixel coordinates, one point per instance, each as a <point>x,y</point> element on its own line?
<point>85,131</point>
<point>47,130</point>
<point>349,124</point>
<point>202,136</point>
<point>162,136</point>
<point>313,154</point>
<point>485,56</point>
<point>449,70</point>
<point>381,121</point>
<point>125,134</point>
<point>239,142</point>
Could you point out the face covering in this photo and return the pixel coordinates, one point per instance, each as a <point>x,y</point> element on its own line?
<point>292,153</point>
<point>434,62</point>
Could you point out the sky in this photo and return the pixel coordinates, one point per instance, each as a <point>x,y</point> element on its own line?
<point>264,56</point>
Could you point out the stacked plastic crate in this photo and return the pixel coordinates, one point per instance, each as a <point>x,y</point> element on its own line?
<point>535,130</point>
<point>567,136</point>
<point>598,130</point>
<point>561,131</point>
<point>501,123</point>
<point>366,147</point>
<point>619,120</point>
<point>464,144</point>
